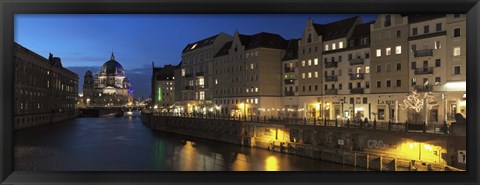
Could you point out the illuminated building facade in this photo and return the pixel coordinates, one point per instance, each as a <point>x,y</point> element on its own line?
<point>341,70</point>
<point>163,87</point>
<point>110,87</point>
<point>45,91</point>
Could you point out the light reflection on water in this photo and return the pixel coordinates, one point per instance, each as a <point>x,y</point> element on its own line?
<point>125,144</point>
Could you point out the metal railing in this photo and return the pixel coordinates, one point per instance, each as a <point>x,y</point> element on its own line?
<point>289,70</point>
<point>356,61</point>
<point>432,128</point>
<point>423,53</point>
<point>357,76</point>
<point>356,91</point>
<point>331,64</point>
<point>331,78</point>
<point>331,92</point>
<point>423,88</point>
<point>424,70</point>
<point>289,81</point>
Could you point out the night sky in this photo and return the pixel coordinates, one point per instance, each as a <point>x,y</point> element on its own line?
<point>86,41</point>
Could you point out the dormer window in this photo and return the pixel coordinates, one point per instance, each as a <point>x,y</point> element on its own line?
<point>388,21</point>
<point>193,47</point>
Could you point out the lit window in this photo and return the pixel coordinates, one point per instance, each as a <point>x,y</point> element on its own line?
<point>388,51</point>
<point>193,47</point>
<point>216,81</point>
<point>316,74</point>
<point>309,62</point>
<point>309,74</point>
<point>315,61</point>
<point>367,69</point>
<point>202,95</point>
<point>246,90</point>
<point>183,72</point>
<point>303,63</point>
<point>398,50</point>
<point>340,45</point>
<point>252,66</point>
<point>326,47</point>
<point>256,89</point>
<point>438,45</point>
<point>379,53</point>
<point>256,100</point>
<point>303,75</point>
<point>334,46</point>
<point>456,51</point>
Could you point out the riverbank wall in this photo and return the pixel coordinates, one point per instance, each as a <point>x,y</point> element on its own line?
<point>372,149</point>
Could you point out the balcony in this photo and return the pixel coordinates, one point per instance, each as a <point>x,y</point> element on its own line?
<point>331,64</point>
<point>188,75</point>
<point>199,74</point>
<point>425,70</point>
<point>289,69</point>
<point>357,76</point>
<point>331,78</point>
<point>423,53</point>
<point>289,93</point>
<point>200,86</point>
<point>356,91</point>
<point>423,88</point>
<point>289,81</point>
<point>356,61</point>
<point>188,87</point>
<point>331,91</point>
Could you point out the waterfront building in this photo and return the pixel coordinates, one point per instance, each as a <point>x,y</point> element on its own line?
<point>45,91</point>
<point>110,87</point>
<point>247,75</point>
<point>340,70</point>
<point>163,87</point>
<point>196,70</point>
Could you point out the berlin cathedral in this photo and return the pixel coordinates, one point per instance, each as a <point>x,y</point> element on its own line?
<point>109,88</point>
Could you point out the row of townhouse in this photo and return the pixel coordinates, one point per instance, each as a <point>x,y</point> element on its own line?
<point>340,70</point>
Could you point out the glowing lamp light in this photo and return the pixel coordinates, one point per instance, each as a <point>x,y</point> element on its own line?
<point>155,107</point>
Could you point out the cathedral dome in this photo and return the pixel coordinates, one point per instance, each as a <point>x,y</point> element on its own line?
<point>112,68</point>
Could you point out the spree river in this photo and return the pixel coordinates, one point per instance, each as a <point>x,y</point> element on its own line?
<point>125,144</point>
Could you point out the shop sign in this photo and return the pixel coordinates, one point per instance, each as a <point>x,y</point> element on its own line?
<point>386,102</point>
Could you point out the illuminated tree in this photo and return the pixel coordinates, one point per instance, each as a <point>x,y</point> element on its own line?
<point>415,103</point>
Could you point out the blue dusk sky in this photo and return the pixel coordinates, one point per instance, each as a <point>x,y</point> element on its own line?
<point>86,41</point>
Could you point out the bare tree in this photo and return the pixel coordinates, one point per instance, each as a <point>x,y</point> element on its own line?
<point>414,103</point>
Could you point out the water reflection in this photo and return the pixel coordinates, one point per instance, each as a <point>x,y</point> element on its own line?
<point>125,144</point>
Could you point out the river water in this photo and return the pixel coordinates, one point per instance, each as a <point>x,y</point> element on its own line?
<point>125,144</point>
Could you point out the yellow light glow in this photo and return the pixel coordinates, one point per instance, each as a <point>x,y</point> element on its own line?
<point>271,163</point>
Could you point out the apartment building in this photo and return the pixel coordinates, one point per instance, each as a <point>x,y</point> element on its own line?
<point>196,74</point>
<point>163,87</point>
<point>248,75</point>
<point>290,76</point>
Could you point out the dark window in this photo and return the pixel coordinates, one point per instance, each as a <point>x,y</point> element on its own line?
<point>426,29</point>
<point>438,80</point>
<point>303,51</point>
<point>352,43</point>
<point>325,60</point>
<point>340,86</point>
<point>457,70</point>
<point>379,84</point>
<point>456,32</point>
<point>414,48</point>
<point>309,88</point>
<point>350,85</point>
<point>399,33</point>
<point>326,86</point>
<point>333,86</point>
<point>359,85</point>
<point>456,15</point>
<point>388,83</point>
<point>303,87</point>
<point>365,101</point>
<point>399,66</point>
<point>309,38</point>
<point>316,87</point>
<point>339,58</point>
<point>316,48</point>
<point>379,68</point>
<point>414,65</point>
<point>437,62</point>
<point>439,26</point>
<point>352,100</point>
<point>350,56</point>
<point>296,88</point>
<point>414,31</point>
<point>388,21</point>
<point>309,50</point>
<point>381,114</point>
<point>367,85</point>
<point>399,83</point>
<point>367,55</point>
